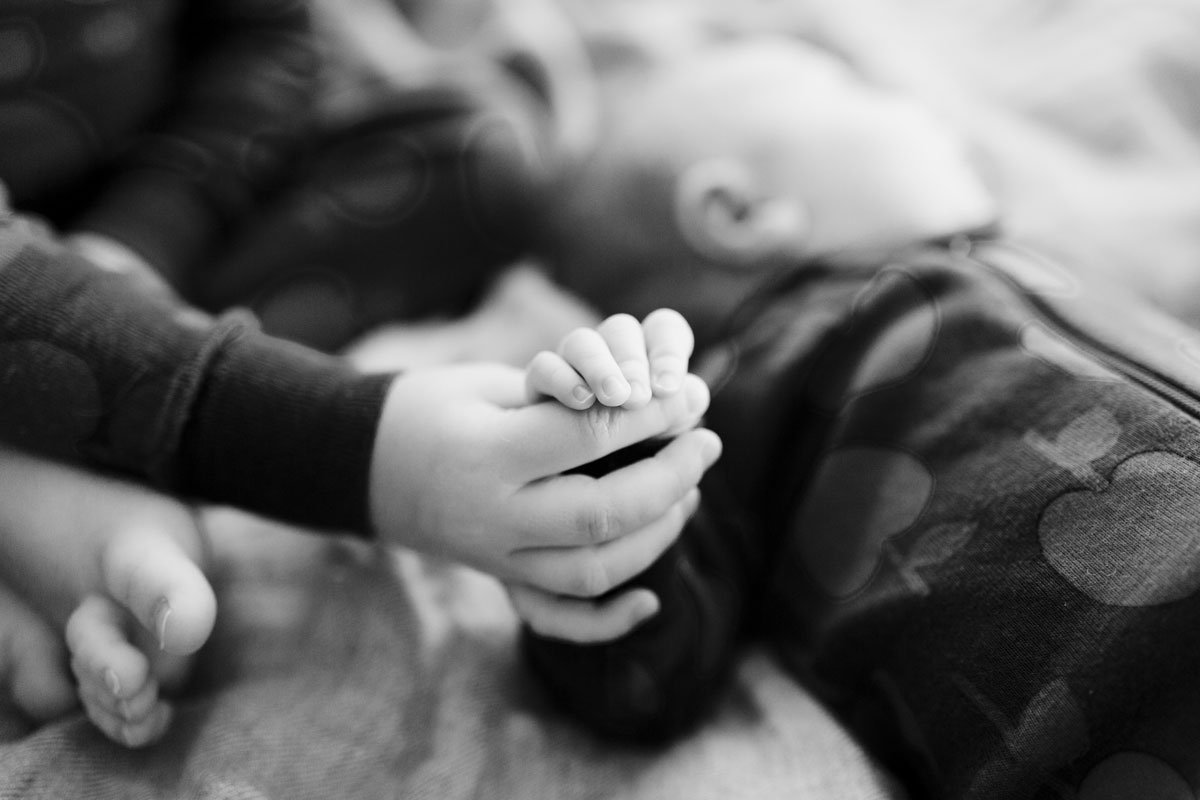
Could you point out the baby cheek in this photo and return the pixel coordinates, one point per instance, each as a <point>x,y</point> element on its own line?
<point>49,399</point>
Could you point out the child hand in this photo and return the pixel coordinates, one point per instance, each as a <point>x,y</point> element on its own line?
<point>593,621</point>
<point>619,363</point>
<point>582,621</point>
<point>465,467</point>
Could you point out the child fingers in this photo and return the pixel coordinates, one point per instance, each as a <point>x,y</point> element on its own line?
<point>582,621</point>
<point>588,572</point>
<point>549,375</point>
<point>589,354</point>
<point>626,342</point>
<point>579,511</point>
<point>670,473</point>
<point>669,346</point>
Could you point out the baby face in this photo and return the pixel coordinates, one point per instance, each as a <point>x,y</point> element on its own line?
<point>750,157</point>
<point>865,168</point>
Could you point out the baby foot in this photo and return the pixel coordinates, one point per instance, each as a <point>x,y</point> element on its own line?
<point>131,644</point>
<point>31,663</point>
<point>120,566</point>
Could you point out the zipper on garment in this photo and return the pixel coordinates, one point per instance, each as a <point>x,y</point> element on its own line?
<point>1162,386</point>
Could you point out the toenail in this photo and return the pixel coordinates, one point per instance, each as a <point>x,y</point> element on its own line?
<point>162,612</point>
<point>112,682</point>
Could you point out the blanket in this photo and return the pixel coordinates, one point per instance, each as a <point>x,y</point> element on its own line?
<point>342,670</point>
<point>338,669</point>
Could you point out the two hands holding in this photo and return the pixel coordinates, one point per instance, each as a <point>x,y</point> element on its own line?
<point>469,465</point>
<point>471,462</point>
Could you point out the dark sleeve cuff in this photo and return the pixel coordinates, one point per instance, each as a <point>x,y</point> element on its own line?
<point>101,367</point>
<point>283,430</point>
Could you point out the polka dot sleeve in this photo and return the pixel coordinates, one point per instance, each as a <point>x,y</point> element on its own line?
<point>241,111</point>
<point>101,368</point>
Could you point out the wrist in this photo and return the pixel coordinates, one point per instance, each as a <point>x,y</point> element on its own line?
<point>390,512</point>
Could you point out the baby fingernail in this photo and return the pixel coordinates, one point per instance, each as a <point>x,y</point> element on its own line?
<point>638,392</point>
<point>667,381</point>
<point>614,387</point>
<point>112,682</point>
<point>581,394</point>
<point>162,612</point>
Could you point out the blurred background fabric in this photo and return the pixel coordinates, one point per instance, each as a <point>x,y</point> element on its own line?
<point>1085,113</point>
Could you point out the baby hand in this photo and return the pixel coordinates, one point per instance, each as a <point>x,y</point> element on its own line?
<point>620,363</point>
<point>466,468</point>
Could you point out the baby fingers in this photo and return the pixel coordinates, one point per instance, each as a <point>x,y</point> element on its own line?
<point>582,621</point>
<point>669,345</point>
<point>550,375</point>
<point>623,335</point>
<point>591,355</point>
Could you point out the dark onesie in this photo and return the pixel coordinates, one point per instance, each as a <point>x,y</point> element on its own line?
<point>960,494</point>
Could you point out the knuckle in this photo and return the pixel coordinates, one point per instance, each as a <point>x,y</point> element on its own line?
<point>634,367</point>
<point>599,523</point>
<point>600,422</point>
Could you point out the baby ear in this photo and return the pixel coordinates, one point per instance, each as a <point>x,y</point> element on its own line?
<point>724,214</point>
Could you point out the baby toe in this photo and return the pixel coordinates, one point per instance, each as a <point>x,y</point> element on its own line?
<point>132,733</point>
<point>133,708</point>
<point>149,571</point>
<point>102,657</point>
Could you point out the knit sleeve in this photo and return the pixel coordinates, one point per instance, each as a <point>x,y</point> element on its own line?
<point>241,112</point>
<point>105,369</point>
